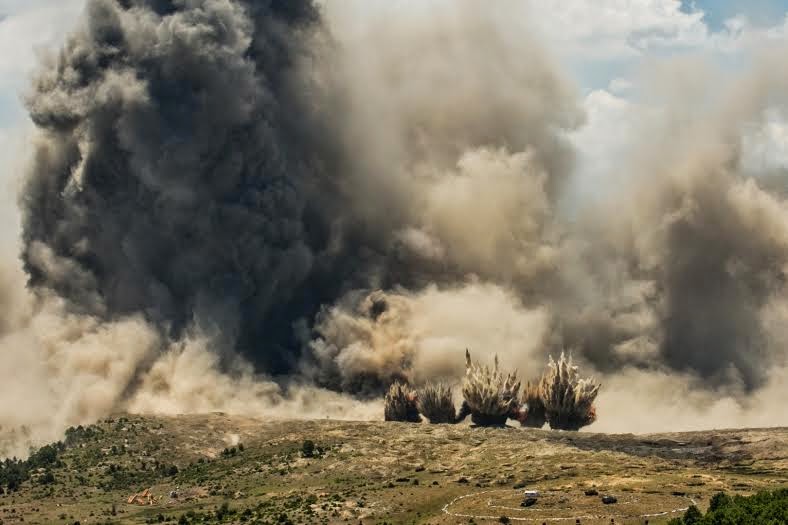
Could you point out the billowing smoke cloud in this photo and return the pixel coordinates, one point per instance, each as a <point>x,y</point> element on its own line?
<point>677,277</point>
<point>173,216</point>
<point>373,340</point>
<point>698,249</point>
<point>250,206</point>
<point>189,170</point>
<point>65,369</point>
<point>176,170</point>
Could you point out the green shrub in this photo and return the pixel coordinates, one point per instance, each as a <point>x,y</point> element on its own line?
<point>763,508</point>
<point>14,472</point>
<point>718,501</point>
<point>692,516</point>
<point>47,479</point>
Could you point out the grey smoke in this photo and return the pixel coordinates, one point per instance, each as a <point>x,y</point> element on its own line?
<point>177,169</point>
<point>690,264</point>
<point>349,195</point>
<point>192,168</point>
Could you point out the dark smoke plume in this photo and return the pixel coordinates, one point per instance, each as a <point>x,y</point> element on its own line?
<point>179,170</point>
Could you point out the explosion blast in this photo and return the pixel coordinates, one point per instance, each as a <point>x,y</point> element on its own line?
<point>251,206</point>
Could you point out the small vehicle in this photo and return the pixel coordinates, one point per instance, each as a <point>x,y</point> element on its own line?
<point>531,493</point>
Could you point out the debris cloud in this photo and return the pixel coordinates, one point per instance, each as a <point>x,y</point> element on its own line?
<point>490,396</point>
<point>255,206</point>
<point>568,399</point>
<point>400,404</point>
<point>436,403</point>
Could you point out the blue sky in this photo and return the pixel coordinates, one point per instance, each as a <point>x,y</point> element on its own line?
<point>759,12</point>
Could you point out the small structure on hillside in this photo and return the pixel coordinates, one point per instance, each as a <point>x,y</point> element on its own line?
<point>141,498</point>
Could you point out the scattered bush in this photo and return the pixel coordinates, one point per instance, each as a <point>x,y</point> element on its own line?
<point>308,448</point>
<point>76,435</point>
<point>692,516</point>
<point>47,478</point>
<point>718,501</point>
<point>14,472</point>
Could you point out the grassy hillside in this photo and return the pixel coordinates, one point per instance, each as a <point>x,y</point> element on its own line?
<point>225,469</point>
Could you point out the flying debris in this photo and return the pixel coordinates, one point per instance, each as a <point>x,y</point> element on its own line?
<point>490,397</point>
<point>436,404</point>
<point>568,399</point>
<point>400,404</point>
<point>532,411</point>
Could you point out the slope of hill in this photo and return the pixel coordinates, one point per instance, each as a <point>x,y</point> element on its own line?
<point>225,469</point>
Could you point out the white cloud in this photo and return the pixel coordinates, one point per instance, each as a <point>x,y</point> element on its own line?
<point>624,31</point>
<point>616,29</point>
<point>28,26</point>
<point>25,27</point>
<point>766,145</point>
<point>619,85</point>
<point>612,123</point>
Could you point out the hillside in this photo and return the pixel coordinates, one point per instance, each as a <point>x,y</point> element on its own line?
<point>219,468</point>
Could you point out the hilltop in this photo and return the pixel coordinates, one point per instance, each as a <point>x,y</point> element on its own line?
<point>219,468</point>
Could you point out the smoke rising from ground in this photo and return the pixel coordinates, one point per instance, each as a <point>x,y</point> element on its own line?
<point>254,206</point>
<point>176,168</point>
<point>71,369</point>
<point>415,336</point>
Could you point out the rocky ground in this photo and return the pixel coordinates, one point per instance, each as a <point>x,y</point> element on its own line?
<point>226,469</point>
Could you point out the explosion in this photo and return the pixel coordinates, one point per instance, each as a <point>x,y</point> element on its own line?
<point>436,404</point>
<point>400,404</point>
<point>490,397</point>
<point>290,201</point>
<point>568,400</point>
<point>532,411</point>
